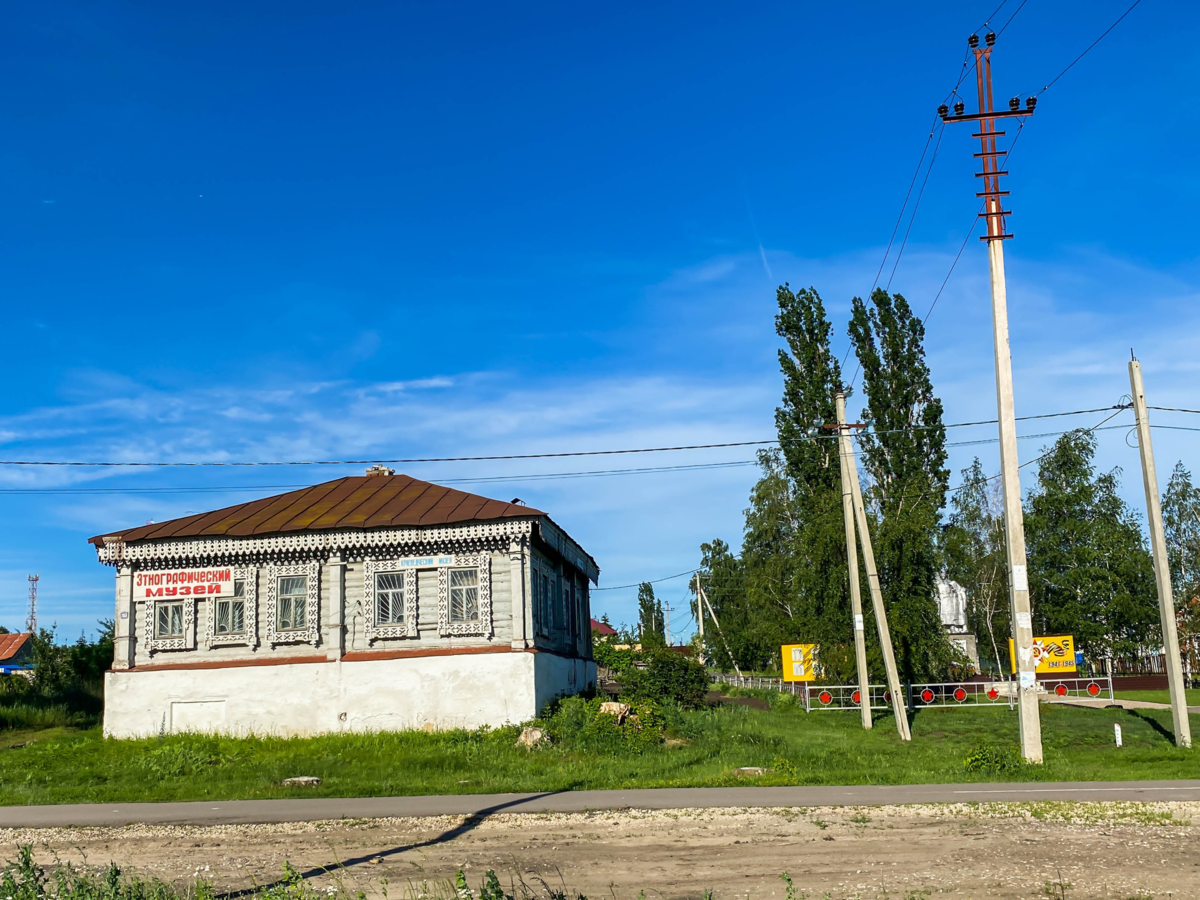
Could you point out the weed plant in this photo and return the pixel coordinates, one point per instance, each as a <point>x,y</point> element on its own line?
<point>24,879</point>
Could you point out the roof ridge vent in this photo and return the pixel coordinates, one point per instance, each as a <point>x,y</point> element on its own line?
<point>379,469</point>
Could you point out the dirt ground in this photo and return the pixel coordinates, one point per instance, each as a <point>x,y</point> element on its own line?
<point>1082,850</point>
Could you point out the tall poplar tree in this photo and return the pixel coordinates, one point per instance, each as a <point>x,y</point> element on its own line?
<point>905,460</point>
<point>651,620</point>
<point>810,584</point>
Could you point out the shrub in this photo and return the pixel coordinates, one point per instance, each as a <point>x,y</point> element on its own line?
<point>609,657</point>
<point>666,676</point>
<point>992,759</point>
<point>576,723</point>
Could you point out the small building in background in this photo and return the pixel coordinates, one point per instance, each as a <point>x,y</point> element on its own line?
<point>952,605</point>
<point>16,654</point>
<point>599,629</point>
<point>365,603</point>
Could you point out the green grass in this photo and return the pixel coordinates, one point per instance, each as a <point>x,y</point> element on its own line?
<point>704,747</point>
<point>1193,696</point>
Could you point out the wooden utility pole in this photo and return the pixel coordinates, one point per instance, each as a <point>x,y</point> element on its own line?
<point>1162,571</point>
<point>1014,523</point>
<point>845,453</point>
<point>885,634</point>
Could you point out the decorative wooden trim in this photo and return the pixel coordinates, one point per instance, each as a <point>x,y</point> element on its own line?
<point>389,542</point>
<point>311,633</point>
<point>249,637</point>
<point>405,629</point>
<point>186,641</point>
<point>480,628</point>
<point>370,655</point>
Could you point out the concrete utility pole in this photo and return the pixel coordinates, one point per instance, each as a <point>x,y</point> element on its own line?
<point>1014,524</point>
<point>885,634</point>
<point>703,596</point>
<point>1162,572</point>
<point>700,620</point>
<point>845,453</point>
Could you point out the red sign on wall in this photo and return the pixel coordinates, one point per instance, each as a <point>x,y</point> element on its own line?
<point>182,583</point>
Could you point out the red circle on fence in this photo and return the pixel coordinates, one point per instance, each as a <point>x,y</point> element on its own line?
<point>1093,689</point>
<point>927,696</point>
<point>887,696</point>
<point>1060,690</point>
<point>960,694</point>
<point>825,697</point>
<point>856,697</point>
<point>993,693</point>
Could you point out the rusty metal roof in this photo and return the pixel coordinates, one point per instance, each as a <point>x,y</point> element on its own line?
<point>11,644</point>
<point>363,501</point>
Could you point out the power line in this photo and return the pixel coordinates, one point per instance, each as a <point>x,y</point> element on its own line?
<point>622,587</point>
<point>480,480</point>
<point>432,459</point>
<point>560,475</point>
<point>1089,48</point>
<point>916,206</point>
<point>1098,426</point>
<point>1174,409</point>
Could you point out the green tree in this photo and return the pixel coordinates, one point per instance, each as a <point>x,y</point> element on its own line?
<point>975,556</point>
<point>651,622</point>
<point>1181,522</point>
<point>731,644</point>
<point>794,547</point>
<point>1090,573</point>
<point>905,462</point>
<point>797,508</point>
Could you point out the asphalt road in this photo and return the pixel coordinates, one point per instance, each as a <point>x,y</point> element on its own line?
<point>302,810</point>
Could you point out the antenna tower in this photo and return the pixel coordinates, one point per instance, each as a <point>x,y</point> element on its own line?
<point>31,622</point>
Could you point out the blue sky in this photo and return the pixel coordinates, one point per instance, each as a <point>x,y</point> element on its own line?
<point>356,230</point>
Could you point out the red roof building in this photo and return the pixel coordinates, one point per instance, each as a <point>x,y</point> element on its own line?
<point>599,628</point>
<point>16,652</point>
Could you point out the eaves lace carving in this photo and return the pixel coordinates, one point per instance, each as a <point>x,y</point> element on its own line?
<point>474,537</point>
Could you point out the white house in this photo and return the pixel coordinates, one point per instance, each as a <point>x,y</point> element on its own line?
<point>365,603</point>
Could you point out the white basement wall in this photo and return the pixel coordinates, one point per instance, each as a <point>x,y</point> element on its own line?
<point>456,691</point>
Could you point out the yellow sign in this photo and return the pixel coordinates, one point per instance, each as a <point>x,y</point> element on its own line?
<point>799,662</point>
<point>1053,655</point>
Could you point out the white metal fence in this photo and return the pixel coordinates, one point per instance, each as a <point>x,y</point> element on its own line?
<point>924,696</point>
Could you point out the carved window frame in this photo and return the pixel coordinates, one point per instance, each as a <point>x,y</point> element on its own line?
<point>311,633</point>
<point>248,638</point>
<point>186,641</point>
<point>480,628</point>
<point>405,629</point>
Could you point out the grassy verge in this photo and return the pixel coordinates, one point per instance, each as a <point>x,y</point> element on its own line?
<point>1193,696</point>
<point>702,748</point>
